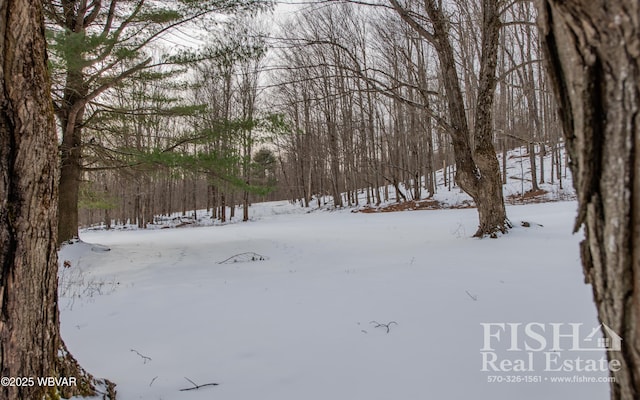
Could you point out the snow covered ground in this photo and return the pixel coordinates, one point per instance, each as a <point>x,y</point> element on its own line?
<point>160,307</point>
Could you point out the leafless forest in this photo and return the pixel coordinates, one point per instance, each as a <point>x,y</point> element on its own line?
<point>332,98</point>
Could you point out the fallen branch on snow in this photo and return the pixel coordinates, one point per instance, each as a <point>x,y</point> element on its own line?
<point>244,257</point>
<point>473,297</point>
<point>144,358</point>
<point>196,386</point>
<point>387,325</point>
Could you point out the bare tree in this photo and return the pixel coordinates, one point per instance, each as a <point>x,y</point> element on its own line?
<point>477,168</point>
<point>593,53</point>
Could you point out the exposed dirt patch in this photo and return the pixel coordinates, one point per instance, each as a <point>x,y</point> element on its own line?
<point>538,196</point>
<point>413,205</point>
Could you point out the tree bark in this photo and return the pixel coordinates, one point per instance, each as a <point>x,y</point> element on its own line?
<point>477,167</point>
<point>593,53</point>
<point>69,182</point>
<point>30,342</point>
<point>70,112</point>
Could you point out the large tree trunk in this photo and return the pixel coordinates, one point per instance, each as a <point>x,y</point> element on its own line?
<point>71,114</point>
<point>593,52</point>
<point>477,167</point>
<point>488,182</point>
<point>30,343</point>
<point>488,195</point>
<point>69,186</point>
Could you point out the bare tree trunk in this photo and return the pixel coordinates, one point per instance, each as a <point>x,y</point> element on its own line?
<point>107,211</point>
<point>70,176</point>
<point>593,53</point>
<point>223,207</point>
<point>30,344</point>
<point>477,167</point>
<point>531,149</point>
<point>335,164</point>
<point>71,114</point>
<point>245,206</point>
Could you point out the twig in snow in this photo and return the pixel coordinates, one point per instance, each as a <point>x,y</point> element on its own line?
<point>459,232</point>
<point>244,257</point>
<point>387,325</point>
<point>144,358</point>
<point>473,297</point>
<point>196,386</point>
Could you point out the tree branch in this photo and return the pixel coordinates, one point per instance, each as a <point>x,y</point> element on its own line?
<point>196,386</point>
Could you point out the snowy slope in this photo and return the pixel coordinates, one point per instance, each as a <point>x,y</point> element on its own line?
<point>297,325</point>
<point>516,190</point>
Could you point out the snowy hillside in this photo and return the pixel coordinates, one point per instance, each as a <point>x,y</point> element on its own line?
<point>517,189</point>
<point>328,305</point>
